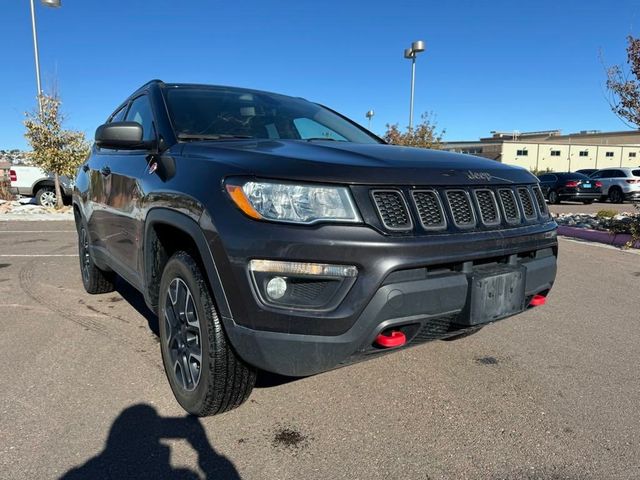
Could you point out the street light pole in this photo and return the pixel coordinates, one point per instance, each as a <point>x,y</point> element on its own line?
<point>47,3</point>
<point>36,54</point>
<point>370,115</point>
<point>411,53</point>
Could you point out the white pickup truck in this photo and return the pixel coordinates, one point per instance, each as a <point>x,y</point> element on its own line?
<point>35,182</point>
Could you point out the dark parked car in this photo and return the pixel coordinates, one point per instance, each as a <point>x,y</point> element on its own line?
<point>587,171</point>
<point>269,232</point>
<point>570,186</point>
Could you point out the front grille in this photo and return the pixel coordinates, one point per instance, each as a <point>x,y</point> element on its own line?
<point>487,206</point>
<point>527,202</point>
<point>542,205</point>
<point>429,209</point>
<point>461,209</point>
<point>392,209</point>
<point>435,209</point>
<point>509,205</point>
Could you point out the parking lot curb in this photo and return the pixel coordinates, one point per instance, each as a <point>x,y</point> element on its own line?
<point>608,238</point>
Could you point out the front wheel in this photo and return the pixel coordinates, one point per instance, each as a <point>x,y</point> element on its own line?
<point>587,202</point>
<point>206,375</point>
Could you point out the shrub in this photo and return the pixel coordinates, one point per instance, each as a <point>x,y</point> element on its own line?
<point>606,214</point>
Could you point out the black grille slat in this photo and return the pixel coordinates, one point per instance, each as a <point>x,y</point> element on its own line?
<point>392,209</point>
<point>527,203</point>
<point>429,209</point>
<point>487,206</point>
<point>509,205</point>
<point>461,209</point>
<point>542,205</point>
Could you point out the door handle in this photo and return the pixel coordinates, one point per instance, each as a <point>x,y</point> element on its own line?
<point>106,171</point>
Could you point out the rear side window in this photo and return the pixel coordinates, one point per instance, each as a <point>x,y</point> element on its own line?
<point>140,112</point>
<point>635,173</point>
<point>547,178</point>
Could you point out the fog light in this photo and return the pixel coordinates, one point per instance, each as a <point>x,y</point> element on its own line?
<point>276,288</point>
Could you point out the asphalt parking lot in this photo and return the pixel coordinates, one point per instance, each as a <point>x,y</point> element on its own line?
<point>551,394</point>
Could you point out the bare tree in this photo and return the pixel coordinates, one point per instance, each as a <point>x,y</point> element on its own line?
<point>55,149</point>
<point>425,134</point>
<point>623,84</point>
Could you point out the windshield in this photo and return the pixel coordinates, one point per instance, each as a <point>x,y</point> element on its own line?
<point>220,113</point>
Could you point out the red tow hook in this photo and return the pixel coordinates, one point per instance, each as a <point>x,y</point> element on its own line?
<point>395,339</point>
<point>538,300</point>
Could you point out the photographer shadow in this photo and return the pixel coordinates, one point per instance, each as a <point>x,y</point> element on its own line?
<point>133,449</point>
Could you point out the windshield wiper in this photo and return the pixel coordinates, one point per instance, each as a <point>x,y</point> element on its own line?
<point>202,136</point>
<point>323,138</point>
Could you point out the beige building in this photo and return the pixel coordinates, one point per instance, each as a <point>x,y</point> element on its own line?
<point>554,151</point>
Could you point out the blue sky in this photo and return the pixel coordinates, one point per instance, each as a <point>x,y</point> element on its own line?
<point>499,65</point>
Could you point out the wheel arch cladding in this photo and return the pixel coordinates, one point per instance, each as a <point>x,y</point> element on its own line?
<point>167,231</point>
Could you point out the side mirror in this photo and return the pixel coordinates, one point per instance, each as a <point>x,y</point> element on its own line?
<point>121,136</point>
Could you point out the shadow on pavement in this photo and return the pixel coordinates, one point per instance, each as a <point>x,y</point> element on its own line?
<point>133,449</point>
<point>136,300</point>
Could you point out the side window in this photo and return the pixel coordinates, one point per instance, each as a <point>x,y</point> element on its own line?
<point>604,174</point>
<point>119,115</point>
<point>618,174</point>
<point>545,178</point>
<point>308,128</point>
<point>140,112</point>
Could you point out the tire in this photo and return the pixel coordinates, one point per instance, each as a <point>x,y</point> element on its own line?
<point>615,195</point>
<point>220,381</point>
<point>587,202</point>
<point>554,198</point>
<point>94,280</point>
<point>46,197</point>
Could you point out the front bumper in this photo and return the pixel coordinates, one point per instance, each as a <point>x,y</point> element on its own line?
<point>395,285</point>
<point>424,309</point>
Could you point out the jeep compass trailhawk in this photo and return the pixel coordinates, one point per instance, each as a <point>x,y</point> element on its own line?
<point>269,232</point>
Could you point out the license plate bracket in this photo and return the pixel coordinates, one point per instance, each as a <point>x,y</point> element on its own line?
<point>494,293</point>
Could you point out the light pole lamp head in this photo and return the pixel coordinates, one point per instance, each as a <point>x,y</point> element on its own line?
<point>418,46</point>
<point>370,114</point>
<point>408,53</point>
<point>51,3</point>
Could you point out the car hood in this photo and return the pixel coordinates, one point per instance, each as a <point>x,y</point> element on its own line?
<point>353,163</point>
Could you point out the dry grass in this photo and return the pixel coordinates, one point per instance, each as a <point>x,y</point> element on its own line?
<point>5,194</point>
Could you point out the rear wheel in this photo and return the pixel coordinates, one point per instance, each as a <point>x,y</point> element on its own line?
<point>554,197</point>
<point>615,195</point>
<point>94,279</point>
<point>205,374</point>
<point>46,196</point>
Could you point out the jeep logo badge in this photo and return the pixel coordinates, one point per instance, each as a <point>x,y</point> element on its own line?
<point>478,176</point>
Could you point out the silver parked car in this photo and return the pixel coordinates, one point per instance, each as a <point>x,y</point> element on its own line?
<point>619,184</point>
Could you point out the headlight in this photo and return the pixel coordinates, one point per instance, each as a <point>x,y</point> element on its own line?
<point>294,203</point>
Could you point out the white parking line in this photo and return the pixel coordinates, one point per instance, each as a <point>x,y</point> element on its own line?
<point>37,231</point>
<point>41,255</point>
